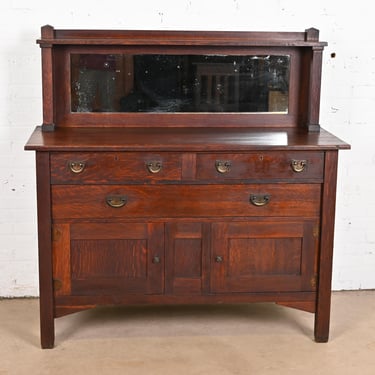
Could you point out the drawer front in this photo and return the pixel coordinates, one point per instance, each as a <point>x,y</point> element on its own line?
<point>291,166</point>
<point>113,167</point>
<point>168,201</point>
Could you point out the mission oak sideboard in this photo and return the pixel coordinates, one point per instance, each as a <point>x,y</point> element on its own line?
<point>178,167</point>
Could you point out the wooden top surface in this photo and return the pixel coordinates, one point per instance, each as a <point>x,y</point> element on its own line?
<point>51,36</point>
<point>181,139</point>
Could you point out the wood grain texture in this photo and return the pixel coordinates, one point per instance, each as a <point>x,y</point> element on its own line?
<point>263,257</point>
<point>261,166</point>
<point>323,304</point>
<point>116,233</point>
<point>182,139</point>
<point>168,201</point>
<point>186,246</point>
<point>47,325</point>
<point>203,38</point>
<point>100,168</point>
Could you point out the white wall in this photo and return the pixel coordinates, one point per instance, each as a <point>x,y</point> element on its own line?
<point>348,103</point>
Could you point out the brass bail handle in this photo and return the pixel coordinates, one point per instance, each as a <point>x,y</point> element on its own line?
<point>223,166</point>
<point>154,166</point>
<point>77,166</point>
<point>260,200</point>
<point>116,201</point>
<point>298,166</point>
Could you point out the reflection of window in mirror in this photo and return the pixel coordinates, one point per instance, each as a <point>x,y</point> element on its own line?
<point>179,83</point>
<point>95,83</point>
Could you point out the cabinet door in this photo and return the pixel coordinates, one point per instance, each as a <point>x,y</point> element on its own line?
<point>263,256</point>
<point>187,249</point>
<point>108,258</point>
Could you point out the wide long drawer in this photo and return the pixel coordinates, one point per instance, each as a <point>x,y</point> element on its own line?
<point>162,201</point>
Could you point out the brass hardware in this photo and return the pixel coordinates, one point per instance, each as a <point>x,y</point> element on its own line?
<point>156,259</point>
<point>77,166</point>
<point>260,200</point>
<point>154,166</point>
<point>116,201</point>
<point>223,166</point>
<point>316,231</point>
<point>57,284</point>
<point>313,281</point>
<point>218,259</point>
<point>56,234</point>
<point>298,165</point>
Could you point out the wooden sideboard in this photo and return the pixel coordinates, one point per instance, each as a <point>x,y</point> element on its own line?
<point>169,172</point>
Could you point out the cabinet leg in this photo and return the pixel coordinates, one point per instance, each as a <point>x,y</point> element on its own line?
<point>321,331</point>
<point>47,328</point>
<point>322,320</point>
<point>47,337</point>
<point>323,305</point>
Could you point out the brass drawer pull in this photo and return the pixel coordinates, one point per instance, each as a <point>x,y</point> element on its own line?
<point>154,166</point>
<point>116,201</point>
<point>77,166</point>
<point>298,165</point>
<point>260,200</point>
<point>223,166</point>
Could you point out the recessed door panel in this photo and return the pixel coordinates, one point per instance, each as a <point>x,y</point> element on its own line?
<point>108,258</point>
<point>263,256</point>
<point>187,246</point>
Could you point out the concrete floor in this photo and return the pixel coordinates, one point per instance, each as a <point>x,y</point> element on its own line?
<point>232,339</point>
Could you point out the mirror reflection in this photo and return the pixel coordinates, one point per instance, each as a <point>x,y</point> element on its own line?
<point>179,83</point>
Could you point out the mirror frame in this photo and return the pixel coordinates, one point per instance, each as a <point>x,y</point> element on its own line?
<point>304,48</point>
<point>65,117</point>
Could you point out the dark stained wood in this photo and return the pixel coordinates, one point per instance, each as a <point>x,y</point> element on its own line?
<point>47,327</point>
<point>189,166</point>
<point>323,304</point>
<point>68,304</point>
<point>314,89</point>
<point>66,118</point>
<point>312,35</point>
<point>61,259</point>
<point>47,80</point>
<point>99,168</point>
<point>183,231</point>
<point>168,201</point>
<point>116,258</point>
<point>130,167</point>
<point>186,248</point>
<point>203,38</point>
<point>261,257</point>
<point>261,166</point>
<point>182,139</point>
<point>308,306</point>
<point>59,44</point>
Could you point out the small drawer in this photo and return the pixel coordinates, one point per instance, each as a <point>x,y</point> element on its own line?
<point>169,201</point>
<point>114,167</point>
<point>260,166</point>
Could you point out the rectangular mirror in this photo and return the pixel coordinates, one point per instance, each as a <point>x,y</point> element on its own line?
<point>165,83</point>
